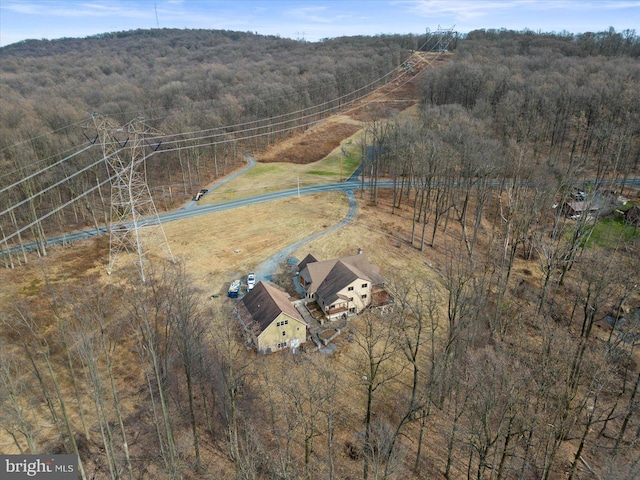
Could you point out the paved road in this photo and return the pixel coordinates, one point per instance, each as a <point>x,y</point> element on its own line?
<point>250,164</point>
<point>193,210</point>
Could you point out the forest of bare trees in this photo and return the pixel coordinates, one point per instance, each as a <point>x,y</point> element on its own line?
<point>501,369</point>
<point>203,94</point>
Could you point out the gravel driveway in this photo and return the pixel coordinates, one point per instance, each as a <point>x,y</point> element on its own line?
<point>267,269</point>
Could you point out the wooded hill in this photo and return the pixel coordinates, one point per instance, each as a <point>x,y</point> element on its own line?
<point>496,362</point>
<point>200,77</point>
<point>182,83</point>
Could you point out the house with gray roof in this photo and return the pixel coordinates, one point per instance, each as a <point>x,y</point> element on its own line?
<point>271,319</point>
<point>341,286</point>
<point>575,209</point>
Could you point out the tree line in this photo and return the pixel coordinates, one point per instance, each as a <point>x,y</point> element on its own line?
<point>503,138</point>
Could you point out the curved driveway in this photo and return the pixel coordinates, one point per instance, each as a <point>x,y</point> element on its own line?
<point>269,267</point>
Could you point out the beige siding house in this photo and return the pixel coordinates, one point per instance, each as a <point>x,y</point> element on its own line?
<point>272,320</point>
<point>342,286</point>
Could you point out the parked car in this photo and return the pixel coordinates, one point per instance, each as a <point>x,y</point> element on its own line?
<point>200,194</point>
<point>234,289</point>
<point>251,281</point>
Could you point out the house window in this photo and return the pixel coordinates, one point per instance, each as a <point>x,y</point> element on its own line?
<point>364,285</point>
<point>364,296</point>
<point>284,334</point>
<point>282,345</point>
<point>350,289</point>
<point>352,310</point>
<point>283,322</point>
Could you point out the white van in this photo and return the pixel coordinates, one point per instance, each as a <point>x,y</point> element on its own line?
<point>251,281</point>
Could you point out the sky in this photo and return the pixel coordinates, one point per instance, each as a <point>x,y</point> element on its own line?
<point>311,20</point>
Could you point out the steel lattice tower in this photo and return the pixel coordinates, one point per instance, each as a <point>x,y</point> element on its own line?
<point>440,39</point>
<point>134,225</point>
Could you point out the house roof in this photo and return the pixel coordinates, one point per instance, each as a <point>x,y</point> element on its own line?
<point>265,302</point>
<point>338,278</point>
<point>316,273</point>
<point>306,260</point>
<point>584,206</point>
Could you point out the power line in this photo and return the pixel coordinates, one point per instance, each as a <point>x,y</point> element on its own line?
<point>270,119</point>
<point>165,138</point>
<point>53,185</point>
<point>28,177</point>
<point>89,120</point>
<point>110,142</point>
<point>38,162</point>
<point>30,139</point>
<point>271,124</point>
<point>38,220</point>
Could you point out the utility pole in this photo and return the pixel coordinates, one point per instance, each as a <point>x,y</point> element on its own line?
<point>345,154</point>
<point>133,213</point>
<point>442,39</point>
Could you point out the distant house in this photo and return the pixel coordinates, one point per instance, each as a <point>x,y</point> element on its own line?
<point>271,319</point>
<point>632,216</point>
<point>341,286</point>
<point>575,209</point>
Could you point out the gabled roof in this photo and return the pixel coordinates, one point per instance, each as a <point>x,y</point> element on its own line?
<point>314,274</point>
<point>264,303</point>
<point>306,260</point>
<point>338,278</point>
<point>583,206</point>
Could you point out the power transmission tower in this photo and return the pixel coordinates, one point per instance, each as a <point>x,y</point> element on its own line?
<point>440,40</point>
<point>134,225</point>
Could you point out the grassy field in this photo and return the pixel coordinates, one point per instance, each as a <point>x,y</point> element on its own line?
<point>612,231</point>
<point>224,245</point>
<point>275,176</point>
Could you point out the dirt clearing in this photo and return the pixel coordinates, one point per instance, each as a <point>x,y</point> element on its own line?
<point>312,145</point>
